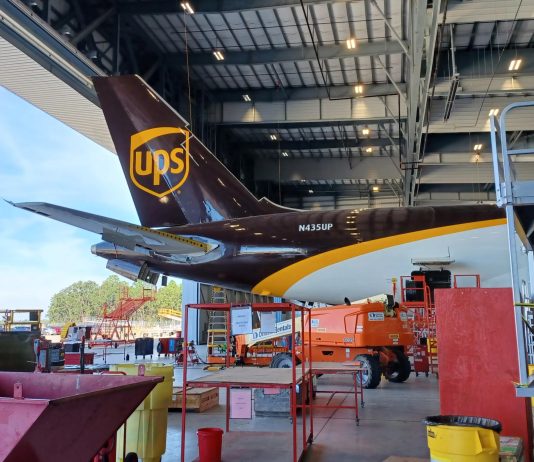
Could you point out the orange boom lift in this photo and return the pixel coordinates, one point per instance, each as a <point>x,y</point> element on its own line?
<point>376,333</point>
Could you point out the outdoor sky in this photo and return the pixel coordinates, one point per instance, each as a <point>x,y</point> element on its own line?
<point>43,160</point>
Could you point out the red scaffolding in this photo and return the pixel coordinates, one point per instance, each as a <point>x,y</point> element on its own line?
<point>417,297</point>
<point>115,326</point>
<point>253,377</point>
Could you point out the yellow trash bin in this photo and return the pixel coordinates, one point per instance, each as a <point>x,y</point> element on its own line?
<point>146,428</point>
<point>462,439</point>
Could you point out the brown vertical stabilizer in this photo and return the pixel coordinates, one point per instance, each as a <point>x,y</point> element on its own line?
<point>173,178</point>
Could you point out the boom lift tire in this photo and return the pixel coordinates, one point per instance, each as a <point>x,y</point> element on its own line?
<point>400,370</point>
<point>274,360</point>
<point>372,375</point>
<point>283,360</point>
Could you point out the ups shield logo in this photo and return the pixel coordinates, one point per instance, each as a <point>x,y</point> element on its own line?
<point>150,167</point>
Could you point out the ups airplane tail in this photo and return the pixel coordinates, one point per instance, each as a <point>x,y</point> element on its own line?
<point>173,178</point>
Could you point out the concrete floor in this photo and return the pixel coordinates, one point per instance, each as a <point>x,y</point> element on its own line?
<point>390,424</point>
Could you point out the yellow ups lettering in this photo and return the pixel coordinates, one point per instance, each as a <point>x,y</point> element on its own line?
<point>139,163</point>
<point>161,161</point>
<point>161,164</point>
<point>148,164</point>
<point>177,160</point>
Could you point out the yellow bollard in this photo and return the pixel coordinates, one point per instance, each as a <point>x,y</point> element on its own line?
<point>463,439</point>
<point>146,428</point>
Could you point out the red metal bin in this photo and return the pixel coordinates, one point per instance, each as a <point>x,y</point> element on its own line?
<point>56,417</point>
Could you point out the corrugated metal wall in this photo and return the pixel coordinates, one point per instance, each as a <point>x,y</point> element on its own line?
<point>340,202</point>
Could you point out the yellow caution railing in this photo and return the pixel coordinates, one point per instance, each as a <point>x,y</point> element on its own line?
<point>170,313</point>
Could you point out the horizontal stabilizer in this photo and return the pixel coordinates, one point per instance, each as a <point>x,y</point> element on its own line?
<point>118,232</point>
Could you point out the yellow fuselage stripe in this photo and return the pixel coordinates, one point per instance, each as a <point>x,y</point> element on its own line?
<point>278,283</point>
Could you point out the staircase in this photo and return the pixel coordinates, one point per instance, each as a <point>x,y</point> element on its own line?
<point>115,325</point>
<point>127,306</point>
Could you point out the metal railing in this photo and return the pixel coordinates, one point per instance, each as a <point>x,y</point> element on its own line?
<point>512,192</point>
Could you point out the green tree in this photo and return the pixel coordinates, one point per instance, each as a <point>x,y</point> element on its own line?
<point>169,296</point>
<point>111,290</point>
<point>87,298</point>
<point>76,301</point>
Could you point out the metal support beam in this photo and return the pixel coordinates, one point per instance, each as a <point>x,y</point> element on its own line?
<point>372,168</point>
<point>312,144</point>
<point>42,43</point>
<point>356,110</point>
<point>381,47</point>
<point>416,29</point>
<point>92,26</point>
<point>117,44</point>
<point>152,70</point>
<point>392,29</point>
<point>431,30</point>
<point>399,91</point>
<point>212,6</point>
<point>392,116</point>
<point>304,124</point>
<point>308,93</point>
<point>393,144</point>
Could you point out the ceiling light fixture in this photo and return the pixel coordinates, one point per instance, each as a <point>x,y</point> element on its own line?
<point>285,154</point>
<point>451,96</point>
<point>477,147</point>
<point>218,55</point>
<point>358,89</point>
<point>376,189</point>
<point>515,64</point>
<point>186,6</point>
<point>310,191</point>
<point>369,150</point>
<point>365,131</point>
<point>493,112</point>
<point>273,137</point>
<point>247,98</point>
<point>351,43</point>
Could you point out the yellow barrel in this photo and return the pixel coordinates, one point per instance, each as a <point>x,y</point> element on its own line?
<point>463,439</point>
<point>146,428</point>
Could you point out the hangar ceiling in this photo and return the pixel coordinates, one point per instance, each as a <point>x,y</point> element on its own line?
<point>311,103</point>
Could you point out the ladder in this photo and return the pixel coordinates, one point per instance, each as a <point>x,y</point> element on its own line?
<point>432,340</point>
<point>422,315</point>
<point>515,193</point>
<point>217,328</point>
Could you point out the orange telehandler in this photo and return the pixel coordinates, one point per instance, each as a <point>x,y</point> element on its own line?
<point>375,332</point>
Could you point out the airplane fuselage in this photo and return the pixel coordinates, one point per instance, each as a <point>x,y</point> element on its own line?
<point>326,256</point>
<point>199,222</point>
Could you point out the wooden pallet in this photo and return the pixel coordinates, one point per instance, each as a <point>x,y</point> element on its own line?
<point>197,399</point>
